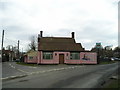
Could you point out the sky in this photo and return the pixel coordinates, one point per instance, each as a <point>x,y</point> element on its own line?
<point>92,21</point>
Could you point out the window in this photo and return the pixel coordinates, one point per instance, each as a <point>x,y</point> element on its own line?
<point>74,55</point>
<point>47,55</point>
<point>30,58</point>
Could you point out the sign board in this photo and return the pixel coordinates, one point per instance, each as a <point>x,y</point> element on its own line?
<point>98,45</point>
<point>88,56</point>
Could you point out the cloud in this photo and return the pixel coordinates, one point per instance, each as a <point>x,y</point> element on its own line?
<point>91,20</point>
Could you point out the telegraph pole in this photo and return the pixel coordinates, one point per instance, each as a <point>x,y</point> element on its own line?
<point>2,45</point>
<point>18,48</point>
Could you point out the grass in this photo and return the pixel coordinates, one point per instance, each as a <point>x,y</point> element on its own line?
<point>113,84</point>
<point>26,64</point>
<point>107,62</point>
<point>29,64</point>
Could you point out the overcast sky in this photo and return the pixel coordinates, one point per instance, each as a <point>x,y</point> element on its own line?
<point>92,20</point>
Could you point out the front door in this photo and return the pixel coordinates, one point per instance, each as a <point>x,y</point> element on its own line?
<point>61,58</point>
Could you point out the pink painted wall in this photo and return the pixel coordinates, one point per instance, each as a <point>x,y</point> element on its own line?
<point>39,57</point>
<point>92,58</point>
<point>25,59</point>
<point>72,61</point>
<point>34,60</point>
<point>88,57</point>
<point>55,59</point>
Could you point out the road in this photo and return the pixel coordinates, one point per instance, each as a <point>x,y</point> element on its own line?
<point>62,76</point>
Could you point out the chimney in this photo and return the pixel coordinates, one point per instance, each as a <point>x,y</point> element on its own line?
<point>73,35</point>
<point>41,33</point>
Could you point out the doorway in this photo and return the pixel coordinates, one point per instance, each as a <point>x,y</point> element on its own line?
<point>61,58</point>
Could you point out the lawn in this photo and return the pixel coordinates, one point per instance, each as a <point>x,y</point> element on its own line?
<point>107,62</point>
<point>27,64</point>
<point>113,84</point>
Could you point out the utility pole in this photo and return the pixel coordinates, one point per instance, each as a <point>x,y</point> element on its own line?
<point>18,48</point>
<point>2,45</point>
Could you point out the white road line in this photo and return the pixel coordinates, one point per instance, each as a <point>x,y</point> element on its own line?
<point>31,73</point>
<point>12,66</point>
<point>18,69</point>
<point>32,67</point>
<point>22,71</point>
<point>12,77</point>
<point>58,69</point>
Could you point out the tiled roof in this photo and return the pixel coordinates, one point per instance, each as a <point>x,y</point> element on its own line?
<point>58,44</point>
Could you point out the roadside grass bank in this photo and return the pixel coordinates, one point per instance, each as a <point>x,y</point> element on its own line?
<point>32,64</point>
<point>26,64</point>
<point>112,84</point>
<point>107,62</point>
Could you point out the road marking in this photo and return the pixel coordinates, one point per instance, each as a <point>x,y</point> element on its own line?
<point>18,69</point>
<point>22,71</point>
<point>31,73</point>
<point>11,77</point>
<point>28,73</point>
<point>12,66</point>
<point>32,67</point>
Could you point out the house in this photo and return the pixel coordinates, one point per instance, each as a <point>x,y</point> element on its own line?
<point>63,50</point>
<point>7,55</point>
<point>31,57</point>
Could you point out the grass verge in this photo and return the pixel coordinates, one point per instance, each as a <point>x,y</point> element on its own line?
<point>26,64</point>
<point>107,62</point>
<point>113,84</point>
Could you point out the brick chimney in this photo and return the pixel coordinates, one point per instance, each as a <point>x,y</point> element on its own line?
<point>41,33</point>
<point>73,34</point>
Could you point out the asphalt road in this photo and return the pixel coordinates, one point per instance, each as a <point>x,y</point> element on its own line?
<point>10,69</point>
<point>65,76</point>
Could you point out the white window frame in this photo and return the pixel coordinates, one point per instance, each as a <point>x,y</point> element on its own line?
<point>74,57</point>
<point>48,55</point>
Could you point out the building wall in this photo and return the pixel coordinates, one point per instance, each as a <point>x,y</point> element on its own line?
<point>34,58</point>
<point>85,58</point>
<point>88,57</point>
<point>25,58</point>
<point>55,59</point>
<point>39,57</point>
<point>91,58</point>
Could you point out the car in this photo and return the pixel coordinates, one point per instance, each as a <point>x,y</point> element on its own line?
<point>112,59</point>
<point>17,60</point>
<point>115,59</point>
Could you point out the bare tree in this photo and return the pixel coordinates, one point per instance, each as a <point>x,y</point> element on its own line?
<point>33,43</point>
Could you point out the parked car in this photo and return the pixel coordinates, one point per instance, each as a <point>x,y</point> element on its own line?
<point>112,59</point>
<point>17,60</point>
<point>115,59</point>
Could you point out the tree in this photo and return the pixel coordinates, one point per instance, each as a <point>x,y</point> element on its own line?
<point>117,52</point>
<point>33,43</point>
